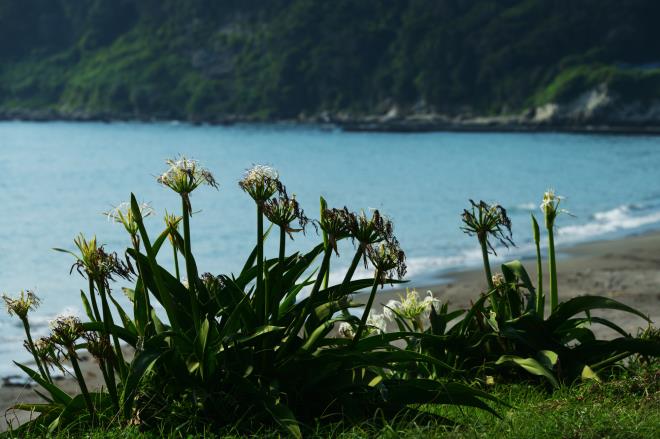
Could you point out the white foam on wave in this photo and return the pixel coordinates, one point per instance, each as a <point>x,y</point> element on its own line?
<point>621,218</point>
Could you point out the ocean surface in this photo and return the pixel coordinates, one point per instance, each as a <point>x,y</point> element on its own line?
<point>56,180</point>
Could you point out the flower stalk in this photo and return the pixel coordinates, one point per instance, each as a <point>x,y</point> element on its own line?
<point>550,209</point>
<point>540,297</point>
<point>487,220</point>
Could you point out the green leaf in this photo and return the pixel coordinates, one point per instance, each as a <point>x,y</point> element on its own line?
<point>58,395</point>
<point>86,306</point>
<point>574,306</point>
<point>588,374</point>
<point>548,359</point>
<point>530,365</point>
<point>143,361</point>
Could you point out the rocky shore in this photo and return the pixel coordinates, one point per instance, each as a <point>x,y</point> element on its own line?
<point>594,111</point>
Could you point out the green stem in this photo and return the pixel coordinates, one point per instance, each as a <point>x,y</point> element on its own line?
<point>43,373</point>
<point>81,380</point>
<point>190,270</point>
<point>540,298</point>
<point>92,297</point>
<point>367,308</point>
<point>484,254</point>
<point>176,262</point>
<point>108,323</point>
<point>349,276</point>
<point>109,378</point>
<point>280,273</point>
<point>136,247</point>
<point>351,269</point>
<point>260,294</point>
<point>554,293</point>
<point>300,321</point>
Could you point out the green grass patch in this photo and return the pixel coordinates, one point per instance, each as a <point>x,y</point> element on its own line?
<point>634,83</point>
<point>626,406</point>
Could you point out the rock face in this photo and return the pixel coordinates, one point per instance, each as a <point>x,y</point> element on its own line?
<point>598,107</point>
<point>595,110</point>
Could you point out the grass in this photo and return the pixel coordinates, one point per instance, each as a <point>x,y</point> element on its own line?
<point>626,406</point>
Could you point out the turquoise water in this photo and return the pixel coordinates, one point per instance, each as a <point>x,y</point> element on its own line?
<point>57,178</point>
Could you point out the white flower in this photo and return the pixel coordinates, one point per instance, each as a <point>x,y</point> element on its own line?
<point>260,182</point>
<point>376,323</point>
<point>184,176</point>
<point>123,214</point>
<point>259,173</point>
<point>550,207</point>
<point>346,330</point>
<point>411,308</point>
<point>498,280</point>
<point>390,309</point>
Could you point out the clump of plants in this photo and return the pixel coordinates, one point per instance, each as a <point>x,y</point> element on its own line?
<point>245,350</point>
<point>507,325</point>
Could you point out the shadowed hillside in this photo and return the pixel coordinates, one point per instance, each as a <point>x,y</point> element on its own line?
<point>556,62</point>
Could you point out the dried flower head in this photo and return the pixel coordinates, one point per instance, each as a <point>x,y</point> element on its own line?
<point>335,222</point>
<point>66,329</point>
<point>123,214</point>
<point>184,176</point>
<point>261,182</point>
<point>550,207</point>
<point>99,347</point>
<point>94,263</point>
<point>284,210</point>
<point>21,305</point>
<point>372,230</point>
<point>214,284</point>
<point>484,220</point>
<point>388,259</point>
<point>44,349</point>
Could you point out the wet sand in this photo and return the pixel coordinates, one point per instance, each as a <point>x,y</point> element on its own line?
<point>627,270</point>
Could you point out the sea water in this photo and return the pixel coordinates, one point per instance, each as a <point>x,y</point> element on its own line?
<point>57,179</point>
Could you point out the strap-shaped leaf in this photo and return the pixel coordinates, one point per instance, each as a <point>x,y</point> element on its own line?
<point>58,395</point>
<point>530,365</point>
<point>576,305</point>
<point>86,306</point>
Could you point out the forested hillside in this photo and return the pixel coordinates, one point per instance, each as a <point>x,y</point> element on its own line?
<point>286,59</point>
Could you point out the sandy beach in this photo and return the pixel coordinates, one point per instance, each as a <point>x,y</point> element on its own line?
<point>627,270</point>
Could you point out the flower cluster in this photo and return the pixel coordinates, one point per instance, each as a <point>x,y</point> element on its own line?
<point>184,176</point>
<point>388,259</point>
<point>376,324</point>
<point>21,305</point>
<point>368,231</point>
<point>99,347</point>
<point>123,214</point>
<point>411,307</point>
<point>261,182</point>
<point>485,220</point>
<point>65,330</point>
<point>96,264</point>
<point>335,222</point>
<point>550,207</point>
<point>44,350</point>
<point>284,210</point>
<point>498,280</point>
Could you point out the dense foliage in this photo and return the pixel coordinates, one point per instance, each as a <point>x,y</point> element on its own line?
<point>210,60</point>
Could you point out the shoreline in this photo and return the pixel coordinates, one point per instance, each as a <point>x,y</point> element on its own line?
<point>626,269</point>
<point>367,124</point>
